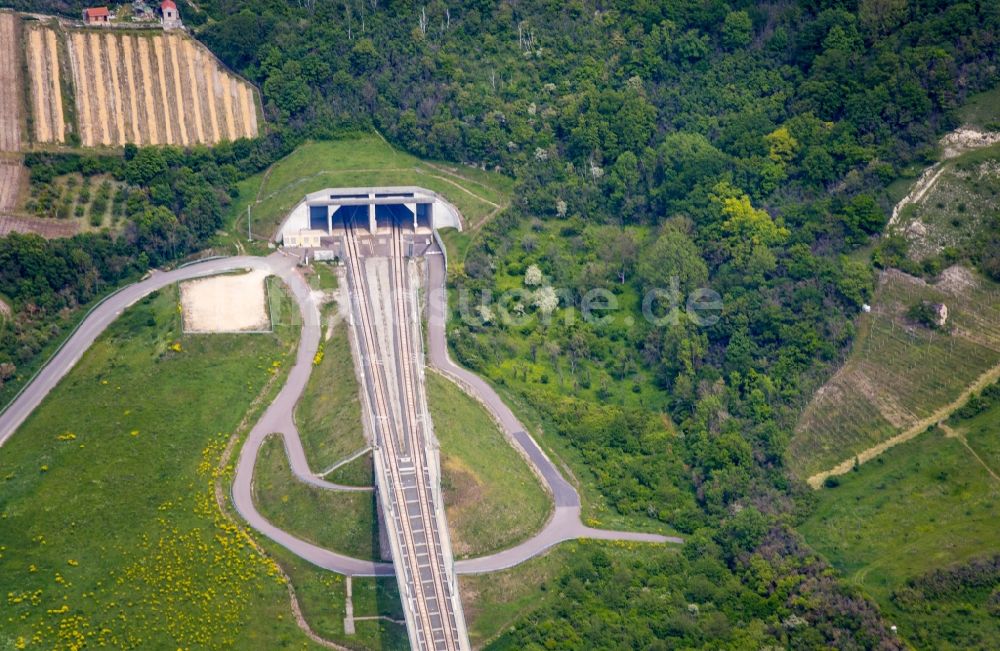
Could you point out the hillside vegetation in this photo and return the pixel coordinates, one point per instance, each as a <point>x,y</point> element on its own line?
<point>907,526</point>
<point>111,535</point>
<point>362,161</point>
<point>900,371</point>
<point>734,146</point>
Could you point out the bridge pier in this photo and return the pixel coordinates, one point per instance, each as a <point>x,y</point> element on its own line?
<point>372,226</point>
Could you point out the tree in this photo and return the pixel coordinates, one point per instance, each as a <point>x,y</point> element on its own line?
<point>781,145</point>
<point>672,256</point>
<point>545,300</point>
<point>737,30</point>
<point>748,231</point>
<point>364,55</point>
<point>287,89</point>
<point>147,165</point>
<point>533,276</point>
<point>620,250</point>
<point>880,17</point>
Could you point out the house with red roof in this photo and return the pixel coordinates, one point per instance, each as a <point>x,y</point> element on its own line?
<point>96,16</point>
<point>170,16</point>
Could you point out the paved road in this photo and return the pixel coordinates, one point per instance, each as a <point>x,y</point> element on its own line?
<point>278,418</point>
<point>565,523</point>
<point>101,318</point>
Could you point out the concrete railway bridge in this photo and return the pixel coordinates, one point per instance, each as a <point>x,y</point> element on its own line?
<point>377,232</point>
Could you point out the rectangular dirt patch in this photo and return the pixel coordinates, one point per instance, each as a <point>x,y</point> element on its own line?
<point>228,303</point>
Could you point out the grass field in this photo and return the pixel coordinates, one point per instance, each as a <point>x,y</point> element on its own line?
<point>357,472</point>
<point>898,372</point>
<point>980,110</point>
<point>111,534</point>
<point>492,498</point>
<point>923,505</point>
<point>322,597</point>
<point>329,413</point>
<point>360,161</point>
<point>341,521</point>
<point>982,433</point>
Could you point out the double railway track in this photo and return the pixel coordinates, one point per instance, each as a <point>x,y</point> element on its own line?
<point>434,615</point>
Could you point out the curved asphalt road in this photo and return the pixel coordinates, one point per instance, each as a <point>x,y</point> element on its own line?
<point>565,523</point>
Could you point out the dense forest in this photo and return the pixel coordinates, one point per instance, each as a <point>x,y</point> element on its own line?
<point>738,145</point>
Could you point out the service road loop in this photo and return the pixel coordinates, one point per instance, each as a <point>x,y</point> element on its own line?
<point>565,523</point>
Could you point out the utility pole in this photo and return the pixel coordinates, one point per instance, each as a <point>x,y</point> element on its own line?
<point>249,234</point>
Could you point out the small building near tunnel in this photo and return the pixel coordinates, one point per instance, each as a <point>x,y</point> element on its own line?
<point>306,238</point>
<point>321,213</point>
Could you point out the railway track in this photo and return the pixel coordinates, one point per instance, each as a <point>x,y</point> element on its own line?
<point>433,616</point>
<point>417,432</point>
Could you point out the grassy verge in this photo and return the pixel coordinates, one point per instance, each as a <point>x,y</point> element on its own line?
<point>340,521</point>
<point>921,506</point>
<point>595,509</point>
<point>329,413</point>
<point>358,472</point>
<point>322,598</point>
<point>457,242</point>
<point>492,498</point>
<point>360,161</point>
<point>110,534</point>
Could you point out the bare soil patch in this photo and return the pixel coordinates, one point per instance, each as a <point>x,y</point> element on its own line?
<point>228,303</point>
<point>10,82</point>
<point>39,85</point>
<point>55,97</point>
<point>147,89</point>
<point>114,60</point>
<point>98,82</point>
<point>12,175</point>
<point>47,228</point>
<point>81,71</point>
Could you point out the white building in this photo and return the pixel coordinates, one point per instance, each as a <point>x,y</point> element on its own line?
<point>171,17</point>
<point>320,213</point>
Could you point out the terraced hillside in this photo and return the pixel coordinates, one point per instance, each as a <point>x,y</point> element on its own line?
<point>900,373</point>
<point>10,80</point>
<point>155,89</point>
<point>46,88</point>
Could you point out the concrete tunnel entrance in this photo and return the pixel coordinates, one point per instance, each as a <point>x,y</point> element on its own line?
<point>320,214</point>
